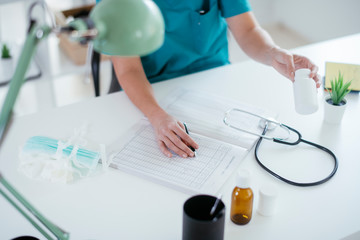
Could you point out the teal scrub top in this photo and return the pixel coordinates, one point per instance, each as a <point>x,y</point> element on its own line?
<point>195,37</point>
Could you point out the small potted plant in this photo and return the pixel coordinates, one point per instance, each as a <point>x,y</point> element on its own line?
<point>6,64</point>
<point>5,52</point>
<point>335,103</point>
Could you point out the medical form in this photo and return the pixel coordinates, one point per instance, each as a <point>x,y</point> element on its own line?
<point>220,152</point>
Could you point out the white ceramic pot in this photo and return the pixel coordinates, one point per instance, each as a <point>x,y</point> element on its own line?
<point>333,113</point>
<point>6,69</point>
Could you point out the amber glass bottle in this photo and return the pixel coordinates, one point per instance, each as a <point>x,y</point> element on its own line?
<point>242,199</point>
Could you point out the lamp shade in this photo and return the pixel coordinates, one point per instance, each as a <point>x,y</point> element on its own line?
<point>127,27</point>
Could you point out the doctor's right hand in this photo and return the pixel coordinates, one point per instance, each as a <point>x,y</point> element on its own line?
<point>171,135</point>
<point>287,63</point>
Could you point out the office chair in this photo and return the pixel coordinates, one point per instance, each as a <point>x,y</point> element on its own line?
<point>95,69</point>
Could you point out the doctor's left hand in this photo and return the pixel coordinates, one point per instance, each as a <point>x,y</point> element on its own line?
<point>287,63</point>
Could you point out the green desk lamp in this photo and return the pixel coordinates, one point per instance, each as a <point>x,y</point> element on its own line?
<point>116,27</point>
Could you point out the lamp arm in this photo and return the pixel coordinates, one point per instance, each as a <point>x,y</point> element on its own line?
<point>35,35</point>
<point>58,232</point>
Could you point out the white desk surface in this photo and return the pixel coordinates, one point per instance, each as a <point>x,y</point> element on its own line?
<point>116,205</point>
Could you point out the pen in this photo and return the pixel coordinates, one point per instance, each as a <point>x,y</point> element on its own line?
<point>187,131</point>
<point>212,211</point>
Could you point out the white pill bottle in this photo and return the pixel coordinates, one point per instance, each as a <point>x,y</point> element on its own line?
<point>305,93</point>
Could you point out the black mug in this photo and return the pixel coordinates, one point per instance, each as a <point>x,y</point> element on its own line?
<point>199,223</point>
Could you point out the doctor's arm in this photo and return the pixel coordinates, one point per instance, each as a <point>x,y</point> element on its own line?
<point>258,44</point>
<point>170,133</point>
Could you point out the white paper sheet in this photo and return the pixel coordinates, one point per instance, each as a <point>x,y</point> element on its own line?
<point>139,154</point>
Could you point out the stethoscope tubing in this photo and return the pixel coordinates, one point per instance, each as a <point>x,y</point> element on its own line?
<point>336,164</point>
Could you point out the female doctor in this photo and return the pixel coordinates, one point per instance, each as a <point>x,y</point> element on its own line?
<point>195,40</point>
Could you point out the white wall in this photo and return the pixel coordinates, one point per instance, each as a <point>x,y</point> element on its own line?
<point>316,20</point>
<point>8,19</point>
<point>264,11</point>
<point>14,19</point>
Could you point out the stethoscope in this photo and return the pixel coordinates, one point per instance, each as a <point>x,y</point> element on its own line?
<point>269,124</point>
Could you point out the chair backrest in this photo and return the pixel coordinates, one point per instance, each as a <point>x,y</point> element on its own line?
<point>95,69</point>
